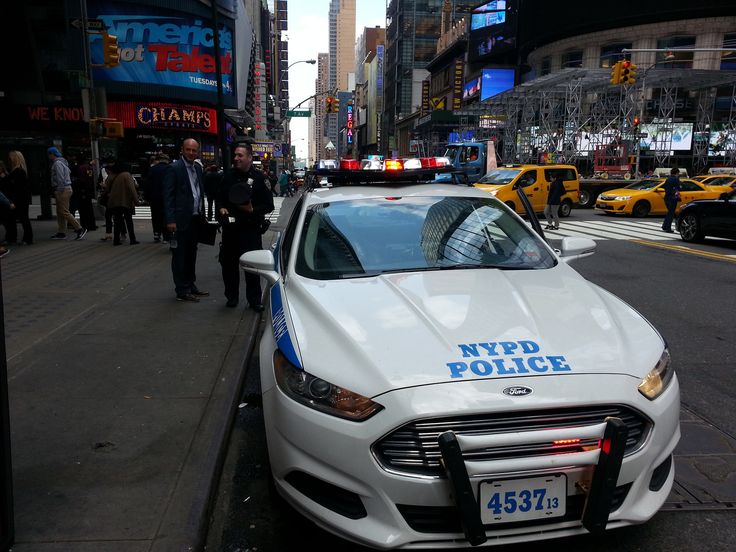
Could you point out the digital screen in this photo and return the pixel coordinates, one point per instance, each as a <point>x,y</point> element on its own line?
<point>495,81</point>
<point>492,29</point>
<point>491,6</point>
<point>488,19</point>
<point>471,88</point>
<point>162,47</point>
<point>682,137</point>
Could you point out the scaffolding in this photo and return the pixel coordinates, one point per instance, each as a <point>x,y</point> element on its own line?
<point>567,115</point>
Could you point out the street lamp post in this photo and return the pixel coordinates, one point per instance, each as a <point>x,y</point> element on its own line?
<point>287,133</point>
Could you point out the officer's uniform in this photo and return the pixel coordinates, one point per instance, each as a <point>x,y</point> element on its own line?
<point>245,233</point>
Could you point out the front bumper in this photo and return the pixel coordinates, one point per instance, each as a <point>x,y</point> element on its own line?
<point>612,206</point>
<point>397,509</point>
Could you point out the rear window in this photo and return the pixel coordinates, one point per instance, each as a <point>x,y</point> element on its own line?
<point>567,174</point>
<point>369,237</point>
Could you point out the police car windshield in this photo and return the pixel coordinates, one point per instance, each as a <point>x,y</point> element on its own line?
<point>500,176</point>
<point>369,237</point>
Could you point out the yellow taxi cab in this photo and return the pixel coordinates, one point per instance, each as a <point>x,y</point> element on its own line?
<point>646,197</point>
<point>717,179</point>
<point>535,179</point>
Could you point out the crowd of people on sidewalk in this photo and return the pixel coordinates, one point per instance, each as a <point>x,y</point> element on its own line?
<point>186,201</point>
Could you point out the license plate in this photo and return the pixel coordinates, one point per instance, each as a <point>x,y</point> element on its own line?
<point>511,500</point>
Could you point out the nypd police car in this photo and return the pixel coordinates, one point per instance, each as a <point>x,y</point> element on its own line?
<point>434,374</point>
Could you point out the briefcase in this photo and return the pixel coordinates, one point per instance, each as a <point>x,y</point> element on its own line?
<point>208,232</point>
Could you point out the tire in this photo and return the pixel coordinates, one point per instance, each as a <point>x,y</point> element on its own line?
<point>587,198</point>
<point>641,209</point>
<point>689,228</point>
<point>565,208</point>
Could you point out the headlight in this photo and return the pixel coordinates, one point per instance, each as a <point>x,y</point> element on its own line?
<point>622,198</point>
<point>493,192</point>
<point>320,394</point>
<point>658,378</point>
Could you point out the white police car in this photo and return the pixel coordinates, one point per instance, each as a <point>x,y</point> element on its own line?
<point>434,374</point>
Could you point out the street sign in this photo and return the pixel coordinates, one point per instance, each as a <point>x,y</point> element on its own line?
<point>643,135</point>
<point>299,113</point>
<point>92,24</point>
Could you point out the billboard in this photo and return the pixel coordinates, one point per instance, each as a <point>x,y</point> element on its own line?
<point>492,29</point>
<point>162,47</point>
<point>471,88</point>
<point>495,81</point>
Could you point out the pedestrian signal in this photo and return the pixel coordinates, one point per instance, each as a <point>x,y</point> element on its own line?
<point>110,52</point>
<point>616,73</point>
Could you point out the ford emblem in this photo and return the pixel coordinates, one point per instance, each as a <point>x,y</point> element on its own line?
<point>518,391</point>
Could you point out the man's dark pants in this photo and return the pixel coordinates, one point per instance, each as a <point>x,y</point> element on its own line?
<point>235,242</point>
<point>184,258</point>
<point>671,205</point>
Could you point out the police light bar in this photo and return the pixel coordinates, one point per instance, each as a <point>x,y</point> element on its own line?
<point>352,171</point>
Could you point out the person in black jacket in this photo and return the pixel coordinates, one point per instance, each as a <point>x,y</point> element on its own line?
<point>551,210</point>
<point>242,203</point>
<point>671,197</point>
<point>20,195</point>
<point>154,194</point>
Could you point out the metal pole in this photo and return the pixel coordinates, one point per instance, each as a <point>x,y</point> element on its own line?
<point>224,150</point>
<point>94,145</point>
<point>7,526</point>
<point>641,122</point>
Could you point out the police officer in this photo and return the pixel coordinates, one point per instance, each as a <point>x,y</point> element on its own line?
<point>242,203</point>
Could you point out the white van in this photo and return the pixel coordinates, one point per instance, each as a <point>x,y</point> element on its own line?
<point>664,172</point>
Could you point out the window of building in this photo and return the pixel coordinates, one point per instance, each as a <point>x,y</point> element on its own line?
<point>611,53</point>
<point>546,67</point>
<point>674,59</point>
<point>572,58</point>
<point>728,59</point>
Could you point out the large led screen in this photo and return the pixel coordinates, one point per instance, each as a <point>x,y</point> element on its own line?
<point>492,29</point>
<point>495,81</point>
<point>162,47</point>
<point>682,137</point>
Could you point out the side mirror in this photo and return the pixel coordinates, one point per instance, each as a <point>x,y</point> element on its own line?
<point>260,262</point>
<point>573,248</point>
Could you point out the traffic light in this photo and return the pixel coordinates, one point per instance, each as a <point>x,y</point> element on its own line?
<point>635,124</point>
<point>328,104</point>
<point>110,52</point>
<point>335,105</point>
<point>628,73</point>
<point>616,73</point>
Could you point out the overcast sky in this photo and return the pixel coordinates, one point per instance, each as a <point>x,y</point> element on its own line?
<point>308,36</point>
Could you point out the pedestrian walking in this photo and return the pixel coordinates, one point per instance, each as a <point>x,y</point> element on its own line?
<point>20,195</point>
<point>554,198</point>
<point>83,187</point>
<point>154,190</point>
<point>212,179</point>
<point>61,183</point>
<point>184,212</point>
<point>283,183</point>
<point>671,198</point>
<point>122,197</point>
<point>243,201</point>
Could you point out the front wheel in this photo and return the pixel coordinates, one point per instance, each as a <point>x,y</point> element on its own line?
<point>565,208</point>
<point>689,227</point>
<point>641,209</point>
<point>587,198</point>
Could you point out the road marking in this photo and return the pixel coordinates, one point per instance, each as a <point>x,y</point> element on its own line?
<point>687,250</point>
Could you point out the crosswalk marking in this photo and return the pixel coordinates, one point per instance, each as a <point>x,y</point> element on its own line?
<point>612,230</point>
<point>143,212</point>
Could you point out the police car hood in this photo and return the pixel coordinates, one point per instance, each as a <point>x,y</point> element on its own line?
<point>375,334</point>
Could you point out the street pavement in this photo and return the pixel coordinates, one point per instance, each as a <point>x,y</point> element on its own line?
<point>121,398</point>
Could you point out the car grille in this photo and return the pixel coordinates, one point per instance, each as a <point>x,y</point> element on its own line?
<point>413,449</point>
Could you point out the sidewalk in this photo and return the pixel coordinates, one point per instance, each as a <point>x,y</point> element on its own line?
<point>121,398</point>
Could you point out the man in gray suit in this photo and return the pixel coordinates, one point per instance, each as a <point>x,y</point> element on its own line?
<point>184,211</point>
